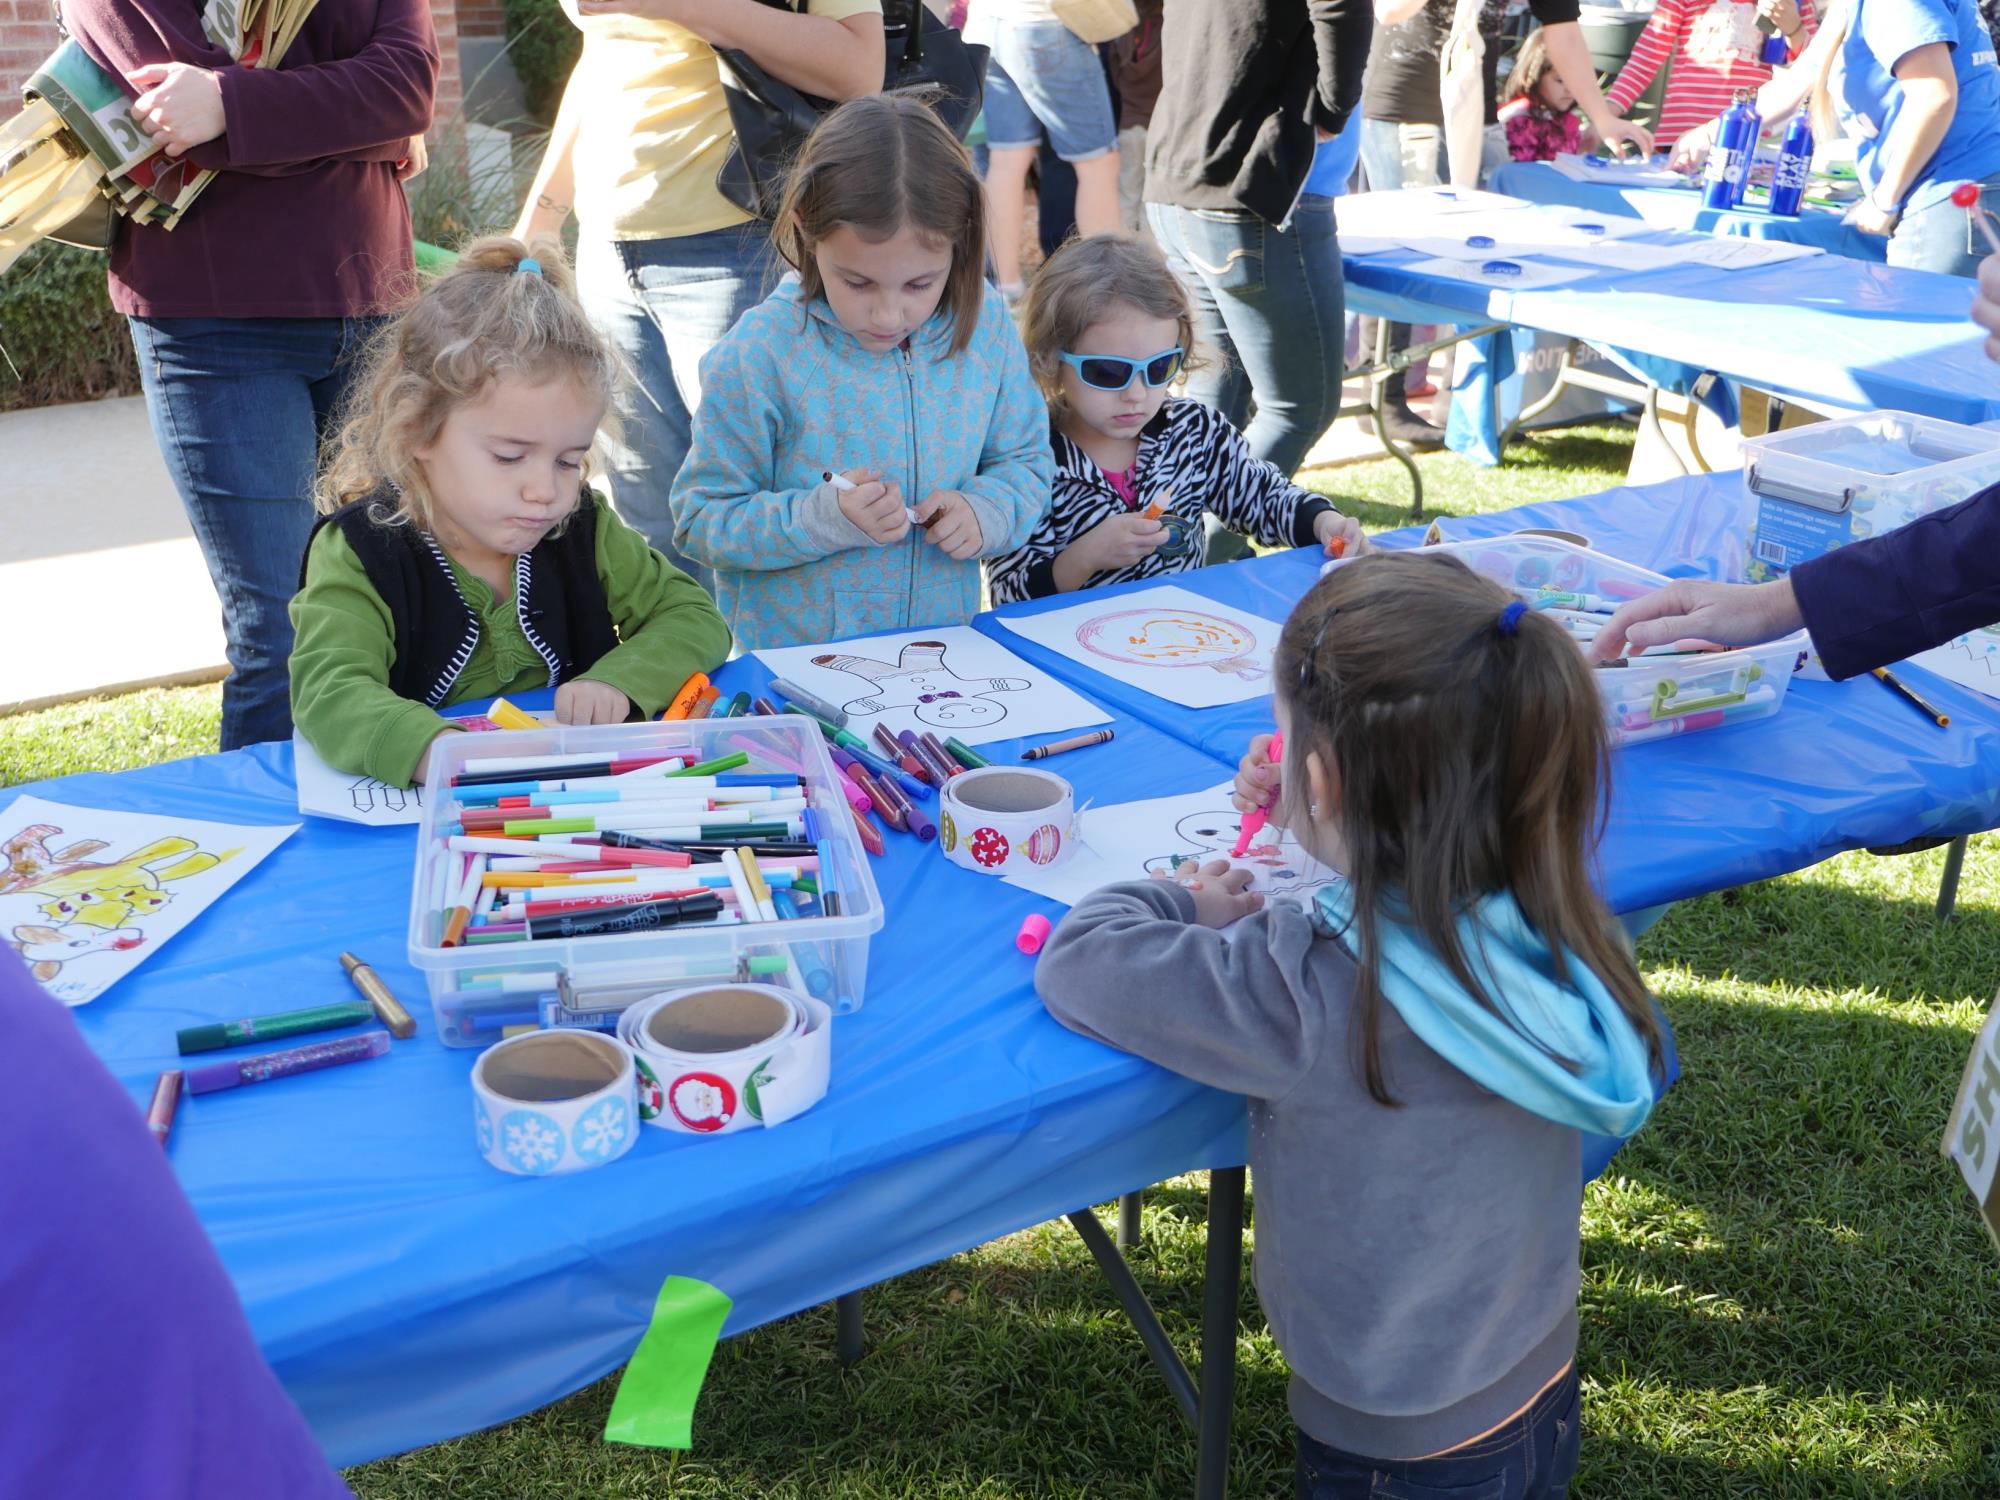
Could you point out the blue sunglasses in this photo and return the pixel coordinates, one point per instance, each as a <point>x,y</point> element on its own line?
<point>1111,372</point>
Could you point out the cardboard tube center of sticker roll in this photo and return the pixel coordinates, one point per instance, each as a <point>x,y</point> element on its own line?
<point>1008,791</point>
<point>552,1066</point>
<point>719,1021</point>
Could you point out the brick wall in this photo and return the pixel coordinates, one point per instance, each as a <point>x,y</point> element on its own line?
<point>28,34</point>
<point>478,18</point>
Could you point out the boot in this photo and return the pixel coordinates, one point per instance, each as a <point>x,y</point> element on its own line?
<point>1405,426</point>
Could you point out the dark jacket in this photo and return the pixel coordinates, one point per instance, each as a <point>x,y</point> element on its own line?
<point>1245,82</point>
<point>1877,601</point>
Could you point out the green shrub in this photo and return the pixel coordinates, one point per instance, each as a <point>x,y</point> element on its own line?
<point>543,47</point>
<point>59,338</point>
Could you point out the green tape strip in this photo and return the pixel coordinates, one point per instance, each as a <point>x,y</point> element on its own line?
<point>654,1406</point>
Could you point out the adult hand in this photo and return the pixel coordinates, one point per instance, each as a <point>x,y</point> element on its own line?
<point>1340,535</point>
<point>1783,14</point>
<point>948,522</point>
<point>582,701</point>
<point>178,105</point>
<point>1614,131</point>
<point>1728,614</point>
<point>1120,541</point>
<point>544,217</point>
<point>875,507</point>
<point>1986,306</point>
<point>1870,217</point>
<point>1692,149</point>
<point>1256,777</point>
<point>413,165</point>
<point>1221,891</point>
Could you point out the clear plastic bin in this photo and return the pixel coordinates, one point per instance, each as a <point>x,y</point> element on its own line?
<point>1815,488</point>
<point>1652,698</point>
<point>478,991</point>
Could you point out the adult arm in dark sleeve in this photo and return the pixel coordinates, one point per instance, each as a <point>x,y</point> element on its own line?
<point>1341,31</point>
<point>1882,599</point>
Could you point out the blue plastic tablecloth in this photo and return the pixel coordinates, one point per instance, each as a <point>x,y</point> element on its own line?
<point>405,1292</point>
<point>1682,208</point>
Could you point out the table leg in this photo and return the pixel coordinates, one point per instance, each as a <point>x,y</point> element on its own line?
<point>1954,864</point>
<point>1221,1284</point>
<point>1651,421</point>
<point>847,1329</point>
<point>1128,1219</point>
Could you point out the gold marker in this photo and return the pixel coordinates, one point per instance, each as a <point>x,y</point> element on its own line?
<point>388,1009</point>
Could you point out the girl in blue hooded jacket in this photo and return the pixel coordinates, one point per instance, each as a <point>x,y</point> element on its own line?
<point>1427,1047</point>
<point>870,430</point>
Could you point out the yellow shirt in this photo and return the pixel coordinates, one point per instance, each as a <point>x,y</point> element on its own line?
<point>657,127</point>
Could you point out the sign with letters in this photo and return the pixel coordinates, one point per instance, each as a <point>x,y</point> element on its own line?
<point>1972,1136</point>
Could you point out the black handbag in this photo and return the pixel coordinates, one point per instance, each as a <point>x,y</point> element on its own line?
<point>772,119</point>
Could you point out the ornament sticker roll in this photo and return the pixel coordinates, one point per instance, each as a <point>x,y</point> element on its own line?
<point>1002,819</point>
<point>555,1101</point>
<point>723,1058</point>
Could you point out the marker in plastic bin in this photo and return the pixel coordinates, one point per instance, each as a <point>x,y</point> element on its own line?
<point>812,962</point>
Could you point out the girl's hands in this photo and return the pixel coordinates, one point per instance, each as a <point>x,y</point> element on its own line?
<point>1221,891</point>
<point>583,701</point>
<point>948,522</point>
<point>1120,541</point>
<point>178,105</point>
<point>413,165</point>
<point>875,507</point>
<point>1257,777</point>
<point>1340,536</point>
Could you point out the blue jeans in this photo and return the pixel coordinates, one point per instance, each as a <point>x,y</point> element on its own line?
<point>665,303</point>
<point>1529,1458</point>
<point>1043,77</point>
<point>1268,307</point>
<point>239,406</point>
<point>1942,237</point>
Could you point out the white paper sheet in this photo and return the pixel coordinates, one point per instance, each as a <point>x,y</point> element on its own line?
<point>327,793</point>
<point>1973,660</point>
<point>1134,840</point>
<point>1522,275</point>
<point>1389,215</point>
<point>1629,173</point>
<point>1734,253</point>
<point>86,894</point>
<point>1166,641</point>
<point>954,682</point>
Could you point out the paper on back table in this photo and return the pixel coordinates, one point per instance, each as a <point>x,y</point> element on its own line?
<point>1165,641</point>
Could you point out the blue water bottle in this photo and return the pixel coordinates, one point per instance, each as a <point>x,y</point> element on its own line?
<point>1774,50</point>
<point>1788,183</point>
<point>1726,159</point>
<point>1751,134</point>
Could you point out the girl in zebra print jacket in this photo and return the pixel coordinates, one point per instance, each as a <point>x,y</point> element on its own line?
<point>1107,328</point>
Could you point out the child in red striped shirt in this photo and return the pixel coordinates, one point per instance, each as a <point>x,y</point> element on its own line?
<point>1714,45</point>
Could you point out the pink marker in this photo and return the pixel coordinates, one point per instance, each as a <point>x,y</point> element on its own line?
<point>1966,196</point>
<point>1255,819</point>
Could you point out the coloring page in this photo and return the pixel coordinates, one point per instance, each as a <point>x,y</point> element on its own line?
<point>1973,660</point>
<point>955,682</point>
<point>1167,641</point>
<point>327,793</point>
<point>87,894</point>
<point>1134,840</point>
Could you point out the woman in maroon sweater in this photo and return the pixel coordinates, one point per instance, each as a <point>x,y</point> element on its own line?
<point>245,316</point>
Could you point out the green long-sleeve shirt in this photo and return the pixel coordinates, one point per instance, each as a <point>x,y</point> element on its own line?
<point>345,642</point>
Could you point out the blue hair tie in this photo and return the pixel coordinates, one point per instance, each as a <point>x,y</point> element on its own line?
<point>528,266</point>
<point>1510,617</point>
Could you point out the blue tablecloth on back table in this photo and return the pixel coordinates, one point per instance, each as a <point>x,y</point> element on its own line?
<point>405,1292</point>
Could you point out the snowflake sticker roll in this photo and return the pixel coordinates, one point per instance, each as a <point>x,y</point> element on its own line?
<point>531,1141</point>
<point>604,1131</point>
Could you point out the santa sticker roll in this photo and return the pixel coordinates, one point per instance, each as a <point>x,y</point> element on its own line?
<point>727,1057</point>
<point>1004,818</point>
<point>555,1101</point>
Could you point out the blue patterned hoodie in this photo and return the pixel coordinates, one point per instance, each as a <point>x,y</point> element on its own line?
<point>788,394</point>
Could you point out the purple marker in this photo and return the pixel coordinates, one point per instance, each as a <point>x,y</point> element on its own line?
<point>268,1065</point>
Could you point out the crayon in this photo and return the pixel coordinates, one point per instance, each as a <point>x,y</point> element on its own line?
<point>1076,742</point>
<point>166,1100</point>
<point>268,1065</point>
<point>219,1034</point>
<point>812,703</point>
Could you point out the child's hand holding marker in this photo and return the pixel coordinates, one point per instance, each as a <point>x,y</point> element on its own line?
<point>1257,776</point>
<point>582,701</point>
<point>1122,540</point>
<point>1340,535</point>
<point>876,507</point>
<point>1221,891</point>
<point>947,517</point>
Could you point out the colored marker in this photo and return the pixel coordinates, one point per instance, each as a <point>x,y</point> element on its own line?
<point>761,891</point>
<point>886,807</point>
<point>812,962</point>
<point>1255,819</point>
<point>893,748</point>
<point>507,716</point>
<point>738,706</point>
<point>765,706</point>
<point>871,836</point>
<point>1909,694</point>
<point>829,899</point>
<point>714,767</point>
<point>219,1034</point>
<point>166,1099</point>
<point>684,700</point>
<point>268,1065</point>
<point>965,755</point>
<point>941,755</point>
<point>812,703</point>
<point>705,704</point>
<point>640,916</point>
<point>939,771</point>
<point>388,1009</point>
<point>1077,742</point>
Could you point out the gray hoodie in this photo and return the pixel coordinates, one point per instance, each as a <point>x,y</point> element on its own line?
<point>1419,1264</point>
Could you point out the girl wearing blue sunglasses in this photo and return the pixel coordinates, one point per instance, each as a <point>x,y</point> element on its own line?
<point>1108,329</point>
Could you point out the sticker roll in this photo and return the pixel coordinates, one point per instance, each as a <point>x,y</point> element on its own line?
<point>1006,818</point>
<point>719,1058</point>
<point>555,1101</point>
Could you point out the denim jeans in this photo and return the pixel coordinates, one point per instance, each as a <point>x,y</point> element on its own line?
<point>665,303</point>
<point>1531,1457</point>
<point>1943,237</point>
<point>239,406</point>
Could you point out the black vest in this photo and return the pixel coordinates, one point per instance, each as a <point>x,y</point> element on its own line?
<point>558,599</point>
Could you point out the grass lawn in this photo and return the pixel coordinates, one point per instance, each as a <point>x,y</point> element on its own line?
<point>1786,1291</point>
